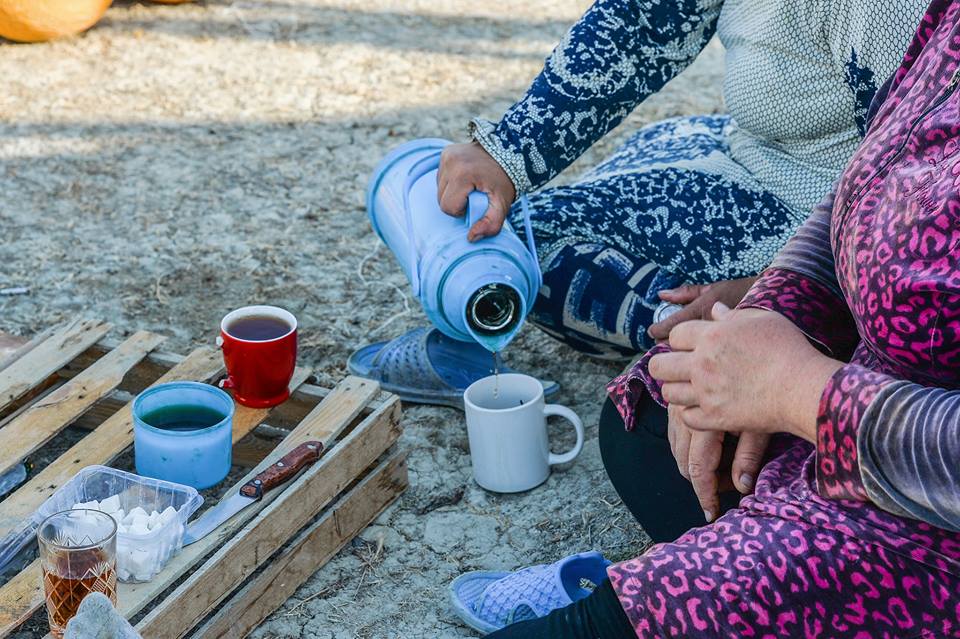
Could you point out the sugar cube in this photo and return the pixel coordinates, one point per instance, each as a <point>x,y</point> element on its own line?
<point>110,504</point>
<point>139,527</point>
<point>154,520</point>
<point>137,510</point>
<point>140,563</point>
<point>92,521</point>
<point>169,514</point>
<point>121,529</point>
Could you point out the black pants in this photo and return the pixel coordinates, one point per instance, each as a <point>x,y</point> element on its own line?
<point>641,467</point>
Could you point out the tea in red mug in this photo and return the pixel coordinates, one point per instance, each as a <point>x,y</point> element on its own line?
<point>259,346</point>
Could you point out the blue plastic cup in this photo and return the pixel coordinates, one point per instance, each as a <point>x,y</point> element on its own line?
<point>172,449</point>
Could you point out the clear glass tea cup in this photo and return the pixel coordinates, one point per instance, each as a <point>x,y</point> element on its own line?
<point>78,556</point>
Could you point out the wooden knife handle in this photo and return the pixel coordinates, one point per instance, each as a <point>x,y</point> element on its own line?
<point>288,466</point>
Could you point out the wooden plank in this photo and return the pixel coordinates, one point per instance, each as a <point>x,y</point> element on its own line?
<point>324,423</point>
<point>155,365</point>
<point>35,395</point>
<point>46,417</point>
<point>308,552</point>
<point>20,597</point>
<point>104,409</point>
<point>288,414</point>
<point>241,553</point>
<point>303,399</point>
<point>301,402</point>
<point>33,368</point>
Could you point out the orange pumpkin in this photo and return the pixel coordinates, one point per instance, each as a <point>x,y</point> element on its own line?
<point>40,20</point>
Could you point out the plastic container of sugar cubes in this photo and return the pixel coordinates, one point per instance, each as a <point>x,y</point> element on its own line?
<point>151,515</point>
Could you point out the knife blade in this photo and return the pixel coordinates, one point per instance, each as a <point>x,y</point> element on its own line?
<point>252,491</point>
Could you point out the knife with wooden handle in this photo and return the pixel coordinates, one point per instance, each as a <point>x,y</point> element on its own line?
<point>275,475</point>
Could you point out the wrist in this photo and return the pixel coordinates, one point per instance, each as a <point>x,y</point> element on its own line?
<point>809,382</point>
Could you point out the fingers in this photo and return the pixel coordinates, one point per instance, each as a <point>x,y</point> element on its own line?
<point>696,419</point>
<point>720,311</point>
<point>465,168</point>
<point>682,294</point>
<point>661,330</point>
<point>679,437</point>
<point>491,223</point>
<point>704,460</point>
<point>679,393</point>
<point>686,336</point>
<point>671,367</point>
<point>747,460</point>
<point>453,198</point>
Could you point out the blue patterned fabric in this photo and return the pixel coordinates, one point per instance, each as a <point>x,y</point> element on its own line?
<point>665,208</point>
<point>696,199</point>
<point>618,54</point>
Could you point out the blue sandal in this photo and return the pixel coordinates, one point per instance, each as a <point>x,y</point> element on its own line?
<point>489,601</point>
<point>425,366</point>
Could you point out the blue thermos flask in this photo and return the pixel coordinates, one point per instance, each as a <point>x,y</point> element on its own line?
<point>471,291</point>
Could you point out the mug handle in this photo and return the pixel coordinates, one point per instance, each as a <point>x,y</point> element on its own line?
<point>570,416</point>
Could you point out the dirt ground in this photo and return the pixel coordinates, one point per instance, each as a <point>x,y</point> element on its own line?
<point>178,161</point>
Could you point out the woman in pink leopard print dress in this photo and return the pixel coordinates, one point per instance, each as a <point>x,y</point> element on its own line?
<point>846,353</point>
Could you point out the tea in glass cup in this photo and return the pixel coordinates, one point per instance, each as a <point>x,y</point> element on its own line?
<point>78,556</point>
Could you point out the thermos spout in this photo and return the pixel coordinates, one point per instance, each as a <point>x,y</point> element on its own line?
<point>494,309</point>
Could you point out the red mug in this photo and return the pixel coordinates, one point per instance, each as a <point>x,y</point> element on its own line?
<point>259,346</point>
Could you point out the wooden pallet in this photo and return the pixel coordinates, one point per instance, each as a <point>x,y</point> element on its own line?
<point>228,582</point>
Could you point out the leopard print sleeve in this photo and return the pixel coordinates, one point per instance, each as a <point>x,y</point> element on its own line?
<point>801,284</point>
<point>617,54</point>
<point>891,442</point>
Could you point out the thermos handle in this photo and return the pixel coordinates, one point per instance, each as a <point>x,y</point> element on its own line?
<point>477,204</point>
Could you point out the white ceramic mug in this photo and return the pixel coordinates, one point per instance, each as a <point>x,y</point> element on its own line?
<point>507,427</point>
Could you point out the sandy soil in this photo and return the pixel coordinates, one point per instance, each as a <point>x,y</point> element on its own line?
<point>178,161</point>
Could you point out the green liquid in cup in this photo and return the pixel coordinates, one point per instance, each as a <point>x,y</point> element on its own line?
<point>183,418</point>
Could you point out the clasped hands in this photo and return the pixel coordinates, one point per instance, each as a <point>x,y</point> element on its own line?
<point>749,373</point>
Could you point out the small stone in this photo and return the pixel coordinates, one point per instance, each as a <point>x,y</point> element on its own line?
<point>98,619</point>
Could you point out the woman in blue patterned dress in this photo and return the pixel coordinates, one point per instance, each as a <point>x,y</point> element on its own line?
<point>701,203</point>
